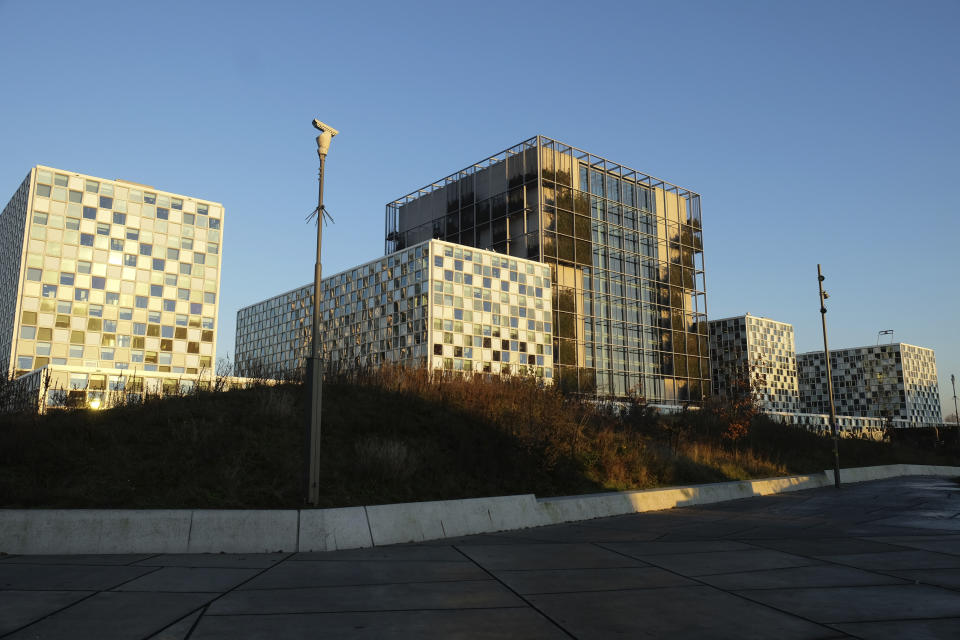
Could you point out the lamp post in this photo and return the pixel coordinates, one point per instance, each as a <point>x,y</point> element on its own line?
<point>956,413</point>
<point>826,356</point>
<point>315,368</point>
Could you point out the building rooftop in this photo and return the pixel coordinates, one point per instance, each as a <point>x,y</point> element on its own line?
<point>595,161</point>
<point>129,183</point>
<point>750,315</point>
<point>869,346</point>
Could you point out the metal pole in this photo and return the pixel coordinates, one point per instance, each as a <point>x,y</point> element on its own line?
<point>315,376</point>
<point>956,413</point>
<point>833,410</point>
<point>315,368</point>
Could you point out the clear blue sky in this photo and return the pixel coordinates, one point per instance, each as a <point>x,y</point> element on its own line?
<point>815,131</point>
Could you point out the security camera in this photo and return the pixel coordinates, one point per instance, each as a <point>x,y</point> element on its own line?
<point>324,128</point>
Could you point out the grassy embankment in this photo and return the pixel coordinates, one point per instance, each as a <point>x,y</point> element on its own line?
<point>391,436</point>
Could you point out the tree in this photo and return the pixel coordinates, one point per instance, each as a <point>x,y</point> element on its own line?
<point>739,403</point>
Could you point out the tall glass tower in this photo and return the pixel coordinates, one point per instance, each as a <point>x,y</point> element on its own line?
<point>625,251</point>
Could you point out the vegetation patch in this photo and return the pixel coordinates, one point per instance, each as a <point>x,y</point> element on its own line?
<point>395,435</point>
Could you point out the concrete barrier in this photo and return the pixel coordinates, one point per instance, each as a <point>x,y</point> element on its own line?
<point>43,531</point>
<point>866,474</point>
<point>418,521</point>
<point>103,531</point>
<point>602,505</point>
<point>333,529</point>
<point>243,531</point>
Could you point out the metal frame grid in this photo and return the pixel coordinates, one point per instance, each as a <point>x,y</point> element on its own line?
<point>654,289</point>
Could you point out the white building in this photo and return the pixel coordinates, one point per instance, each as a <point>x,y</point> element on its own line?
<point>435,304</point>
<point>897,382</point>
<point>760,348</point>
<point>108,276</point>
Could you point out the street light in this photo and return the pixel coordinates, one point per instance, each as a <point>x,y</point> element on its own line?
<point>826,355</point>
<point>956,413</point>
<point>315,367</point>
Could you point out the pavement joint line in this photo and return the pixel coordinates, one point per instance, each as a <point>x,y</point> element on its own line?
<point>685,553</point>
<point>365,584</point>
<point>874,620</point>
<point>57,589</point>
<point>701,583</point>
<point>222,594</point>
<point>193,626</point>
<point>158,591</point>
<point>643,566</point>
<point>724,573</point>
<point>880,572</point>
<point>133,563</point>
<point>905,583</point>
<point>914,581</point>
<point>40,619</point>
<point>896,620</point>
<point>170,624</point>
<point>132,579</point>
<point>523,606</point>
<point>52,613</point>
<point>533,606</point>
<point>72,604</point>
<point>622,589</point>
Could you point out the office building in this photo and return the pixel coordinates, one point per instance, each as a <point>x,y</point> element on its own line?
<point>897,382</point>
<point>107,276</point>
<point>624,249</point>
<point>434,304</point>
<point>759,350</point>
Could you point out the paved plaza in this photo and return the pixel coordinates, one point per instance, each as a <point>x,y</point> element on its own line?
<point>873,560</point>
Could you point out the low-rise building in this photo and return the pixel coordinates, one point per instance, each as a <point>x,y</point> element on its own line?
<point>760,350</point>
<point>434,304</point>
<point>99,274</point>
<point>896,382</point>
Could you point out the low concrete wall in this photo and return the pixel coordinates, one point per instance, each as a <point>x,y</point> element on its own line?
<point>43,531</point>
<point>101,531</point>
<point>418,521</point>
<point>601,505</point>
<point>242,531</point>
<point>333,529</point>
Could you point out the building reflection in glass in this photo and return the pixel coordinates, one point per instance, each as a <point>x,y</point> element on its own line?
<point>625,252</point>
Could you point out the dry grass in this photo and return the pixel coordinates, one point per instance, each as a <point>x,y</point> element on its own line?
<point>393,435</point>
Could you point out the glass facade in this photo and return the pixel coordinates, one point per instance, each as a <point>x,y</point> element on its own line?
<point>433,304</point>
<point>625,252</point>
<point>111,274</point>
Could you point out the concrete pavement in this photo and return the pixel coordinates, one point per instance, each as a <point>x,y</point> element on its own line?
<point>874,560</point>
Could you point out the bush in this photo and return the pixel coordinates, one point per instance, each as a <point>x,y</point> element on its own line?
<point>395,435</point>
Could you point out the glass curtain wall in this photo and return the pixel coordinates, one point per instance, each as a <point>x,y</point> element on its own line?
<point>626,257</point>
